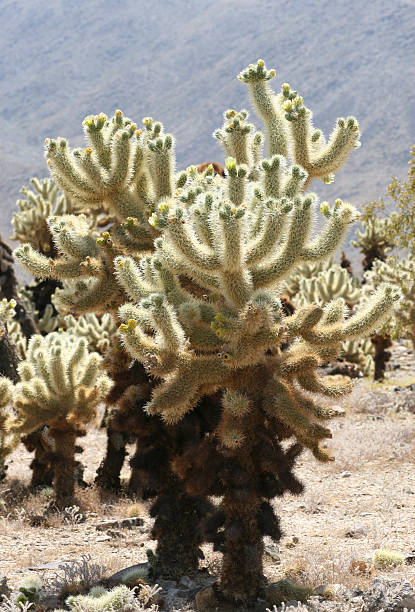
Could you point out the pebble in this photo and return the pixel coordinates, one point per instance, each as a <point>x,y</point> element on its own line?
<point>125,523</point>
<point>273,551</point>
<point>345,474</point>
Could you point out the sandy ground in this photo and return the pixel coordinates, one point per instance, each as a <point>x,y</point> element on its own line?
<point>363,501</point>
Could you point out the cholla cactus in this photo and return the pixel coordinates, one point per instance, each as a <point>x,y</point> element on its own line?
<point>61,386</point>
<point>402,275</point>
<point>99,332</point>
<point>237,243</point>
<point>118,599</point>
<point>328,285</point>
<point>360,352</point>
<point>120,174</point>
<point>41,201</point>
<point>8,441</point>
<point>374,242</point>
<point>289,128</point>
<point>305,270</point>
<point>205,313</point>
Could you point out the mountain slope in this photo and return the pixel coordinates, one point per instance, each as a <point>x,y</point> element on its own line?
<point>177,61</point>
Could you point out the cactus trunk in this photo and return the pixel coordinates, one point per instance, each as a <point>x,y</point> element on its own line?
<point>108,473</point>
<point>64,466</point>
<point>42,471</point>
<point>242,569</point>
<point>177,551</point>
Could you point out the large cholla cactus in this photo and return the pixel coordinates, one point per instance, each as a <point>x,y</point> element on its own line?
<point>61,386</point>
<point>202,259</point>
<point>7,440</point>
<point>237,243</point>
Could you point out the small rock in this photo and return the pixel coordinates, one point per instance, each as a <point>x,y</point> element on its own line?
<point>273,551</point>
<point>141,568</point>
<point>53,565</point>
<point>345,474</point>
<point>362,567</point>
<point>206,599</point>
<point>186,582</point>
<point>337,410</point>
<point>114,533</point>
<point>388,594</point>
<point>103,538</point>
<point>356,532</point>
<point>410,559</point>
<point>124,523</point>
<point>408,603</point>
<point>4,588</point>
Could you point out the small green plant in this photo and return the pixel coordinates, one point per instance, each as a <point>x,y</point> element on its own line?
<point>30,590</point>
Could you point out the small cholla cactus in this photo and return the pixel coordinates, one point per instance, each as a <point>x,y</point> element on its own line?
<point>118,599</point>
<point>99,332</point>
<point>384,558</point>
<point>41,201</point>
<point>237,243</point>
<point>61,386</point>
<point>8,441</point>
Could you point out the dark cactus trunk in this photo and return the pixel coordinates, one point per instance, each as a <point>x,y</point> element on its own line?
<point>41,465</point>
<point>382,356</point>
<point>242,574</point>
<point>108,473</point>
<point>64,466</point>
<point>177,531</point>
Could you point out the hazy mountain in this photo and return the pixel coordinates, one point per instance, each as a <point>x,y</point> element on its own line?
<point>177,60</point>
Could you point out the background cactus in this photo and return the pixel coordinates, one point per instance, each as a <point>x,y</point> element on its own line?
<point>61,386</point>
<point>99,332</point>
<point>41,201</point>
<point>400,273</point>
<point>8,441</point>
<point>328,285</point>
<point>373,242</point>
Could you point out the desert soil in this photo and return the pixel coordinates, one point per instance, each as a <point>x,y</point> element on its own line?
<point>362,501</point>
